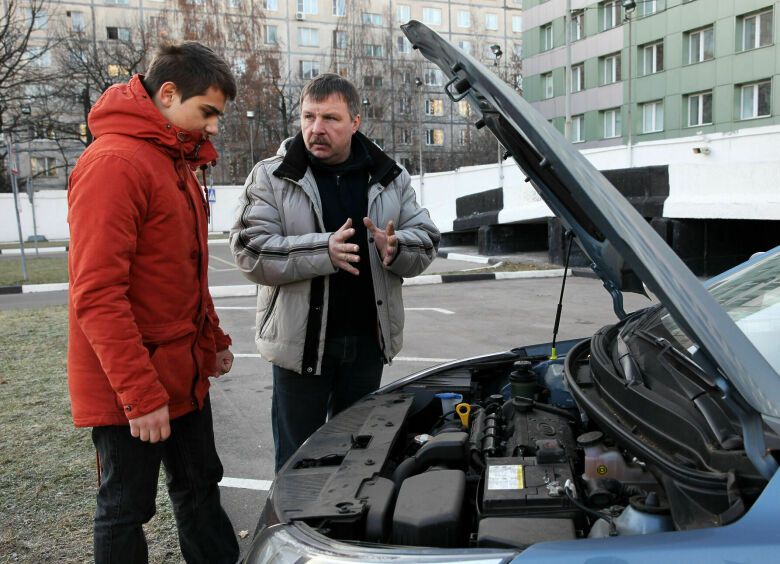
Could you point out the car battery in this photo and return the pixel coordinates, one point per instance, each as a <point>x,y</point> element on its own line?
<point>522,486</point>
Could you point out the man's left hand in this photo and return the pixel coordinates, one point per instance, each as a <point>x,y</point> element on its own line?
<point>386,241</point>
<point>224,362</point>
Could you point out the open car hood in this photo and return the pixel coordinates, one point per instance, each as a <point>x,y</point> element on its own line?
<point>616,238</point>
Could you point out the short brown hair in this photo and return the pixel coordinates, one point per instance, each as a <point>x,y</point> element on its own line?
<point>192,67</point>
<point>323,85</point>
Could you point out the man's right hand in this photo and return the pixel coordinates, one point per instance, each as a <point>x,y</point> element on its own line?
<point>342,253</point>
<point>152,427</point>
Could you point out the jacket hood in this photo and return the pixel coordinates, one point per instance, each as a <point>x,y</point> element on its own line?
<point>295,161</point>
<point>128,109</point>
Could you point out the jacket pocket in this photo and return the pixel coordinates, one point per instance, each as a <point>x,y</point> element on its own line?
<point>268,312</point>
<point>175,367</point>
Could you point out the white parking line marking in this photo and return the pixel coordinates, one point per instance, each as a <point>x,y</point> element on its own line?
<point>398,358</point>
<point>246,484</point>
<point>436,309</point>
<point>421,359</point>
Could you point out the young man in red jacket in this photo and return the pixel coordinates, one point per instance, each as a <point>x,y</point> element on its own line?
<point>143,334</point>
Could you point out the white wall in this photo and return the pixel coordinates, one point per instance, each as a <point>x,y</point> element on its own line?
<point>739,178</point>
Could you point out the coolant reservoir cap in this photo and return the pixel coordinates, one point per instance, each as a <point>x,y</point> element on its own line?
<point>590,439</point>
<point>422,439</point>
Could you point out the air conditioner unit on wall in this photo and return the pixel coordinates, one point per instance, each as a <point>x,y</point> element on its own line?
<point>300,16</point>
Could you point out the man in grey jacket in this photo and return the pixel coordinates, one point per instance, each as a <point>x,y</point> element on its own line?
<point>329,227</point>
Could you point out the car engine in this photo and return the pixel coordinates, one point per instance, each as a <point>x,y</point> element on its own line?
<point>492,453</point>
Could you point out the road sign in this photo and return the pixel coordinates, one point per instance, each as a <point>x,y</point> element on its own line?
<point>212,195</point>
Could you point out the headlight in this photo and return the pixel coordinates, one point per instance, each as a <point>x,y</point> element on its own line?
<point>300,544</point>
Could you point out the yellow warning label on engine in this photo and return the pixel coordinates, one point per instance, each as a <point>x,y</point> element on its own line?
<point>506,477</point>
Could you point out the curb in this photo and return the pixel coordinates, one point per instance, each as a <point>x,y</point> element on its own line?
<point>31,251</point>
<point>243,290</point>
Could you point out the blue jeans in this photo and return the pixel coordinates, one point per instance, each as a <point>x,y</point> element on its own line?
<point>126,497</point>
<point>351,368</point>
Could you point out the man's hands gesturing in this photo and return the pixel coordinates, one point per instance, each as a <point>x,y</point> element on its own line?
<point>386,241</point>
<point>343,253</point>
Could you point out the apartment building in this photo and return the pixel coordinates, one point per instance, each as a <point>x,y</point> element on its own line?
<point>405,110</point>
<point>677,102</point>
<point>618,71</point>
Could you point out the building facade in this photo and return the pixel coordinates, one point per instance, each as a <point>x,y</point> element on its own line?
<point>404,108</point>
<point>615,72</point>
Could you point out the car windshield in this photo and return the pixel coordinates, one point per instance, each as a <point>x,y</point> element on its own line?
<point>751,297</point>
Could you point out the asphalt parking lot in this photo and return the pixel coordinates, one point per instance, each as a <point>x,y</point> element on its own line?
<point>443,322</point>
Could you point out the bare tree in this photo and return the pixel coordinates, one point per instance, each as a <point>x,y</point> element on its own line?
<point>23,54</point>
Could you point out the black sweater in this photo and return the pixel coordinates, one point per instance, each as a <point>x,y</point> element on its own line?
<point>343,191</point>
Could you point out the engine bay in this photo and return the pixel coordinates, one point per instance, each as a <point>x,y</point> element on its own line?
<point>495,454</point>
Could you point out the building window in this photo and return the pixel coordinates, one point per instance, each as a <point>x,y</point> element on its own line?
<point>465,46</point>
<point>578,77</point>
<point>371,50</point>
<point>547,85</point>
<point>652,117</point>
<point>434,107</point>
<point>118,70</point>
<point>307,6</point>
<point>577,135</point>
<point>577,25</point>
<point>406,76</point>
<point>755,30</point>
<point>652,58</point>
<point>121,33</point>
<point>517,24</point>
<point>699,109</point>
<point>700,46</point>
<point>234,3</point>
<point>610,14</point>
<point>309,69</point>
<point>76,21</point>
<point>611,69</point>
<point>374,81</point>
<point>547,37</point>
<point>755,100</point>
<point>432,16</point>
<point>127,1</point>
<point>404,105</point>
<point>432,77</point>
<point>372,19</point>
<point>271,5</point>
<point>339,7</point>
<point>308,37</point>
<point>342,69</point>
<point>269,34</point>
<point>403,45</point>
<point>434,137</point>
<point>491,22</point>
<point>43,166</point>
<point>339,39</point>
<point>612,123</point>
<point>647,7</point>
<point>464,19</point>
<point>464,108</point>
<point>463,137</point>
<point>403,14</point>
<point>406,137</point>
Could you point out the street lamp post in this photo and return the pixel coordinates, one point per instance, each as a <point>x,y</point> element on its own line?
<point>250,116</point>
<point>497,52</point>
<point>629,6</point>
<point>419,83</point>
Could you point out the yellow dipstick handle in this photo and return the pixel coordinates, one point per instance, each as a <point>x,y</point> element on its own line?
<point>463,409</point>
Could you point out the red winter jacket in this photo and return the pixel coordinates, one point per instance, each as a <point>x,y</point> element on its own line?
<point>143,332</point>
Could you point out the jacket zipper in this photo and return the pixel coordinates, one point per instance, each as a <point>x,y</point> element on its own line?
<point>269,311</point>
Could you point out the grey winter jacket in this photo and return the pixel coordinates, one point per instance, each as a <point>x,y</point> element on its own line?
<point>279,241</point>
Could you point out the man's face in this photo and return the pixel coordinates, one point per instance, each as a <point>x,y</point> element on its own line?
<point>198,114</point>
<point>328,128</point>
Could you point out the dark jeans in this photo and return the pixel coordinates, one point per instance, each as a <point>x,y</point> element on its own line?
<point>351,368</point>
<point>126,497</point>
